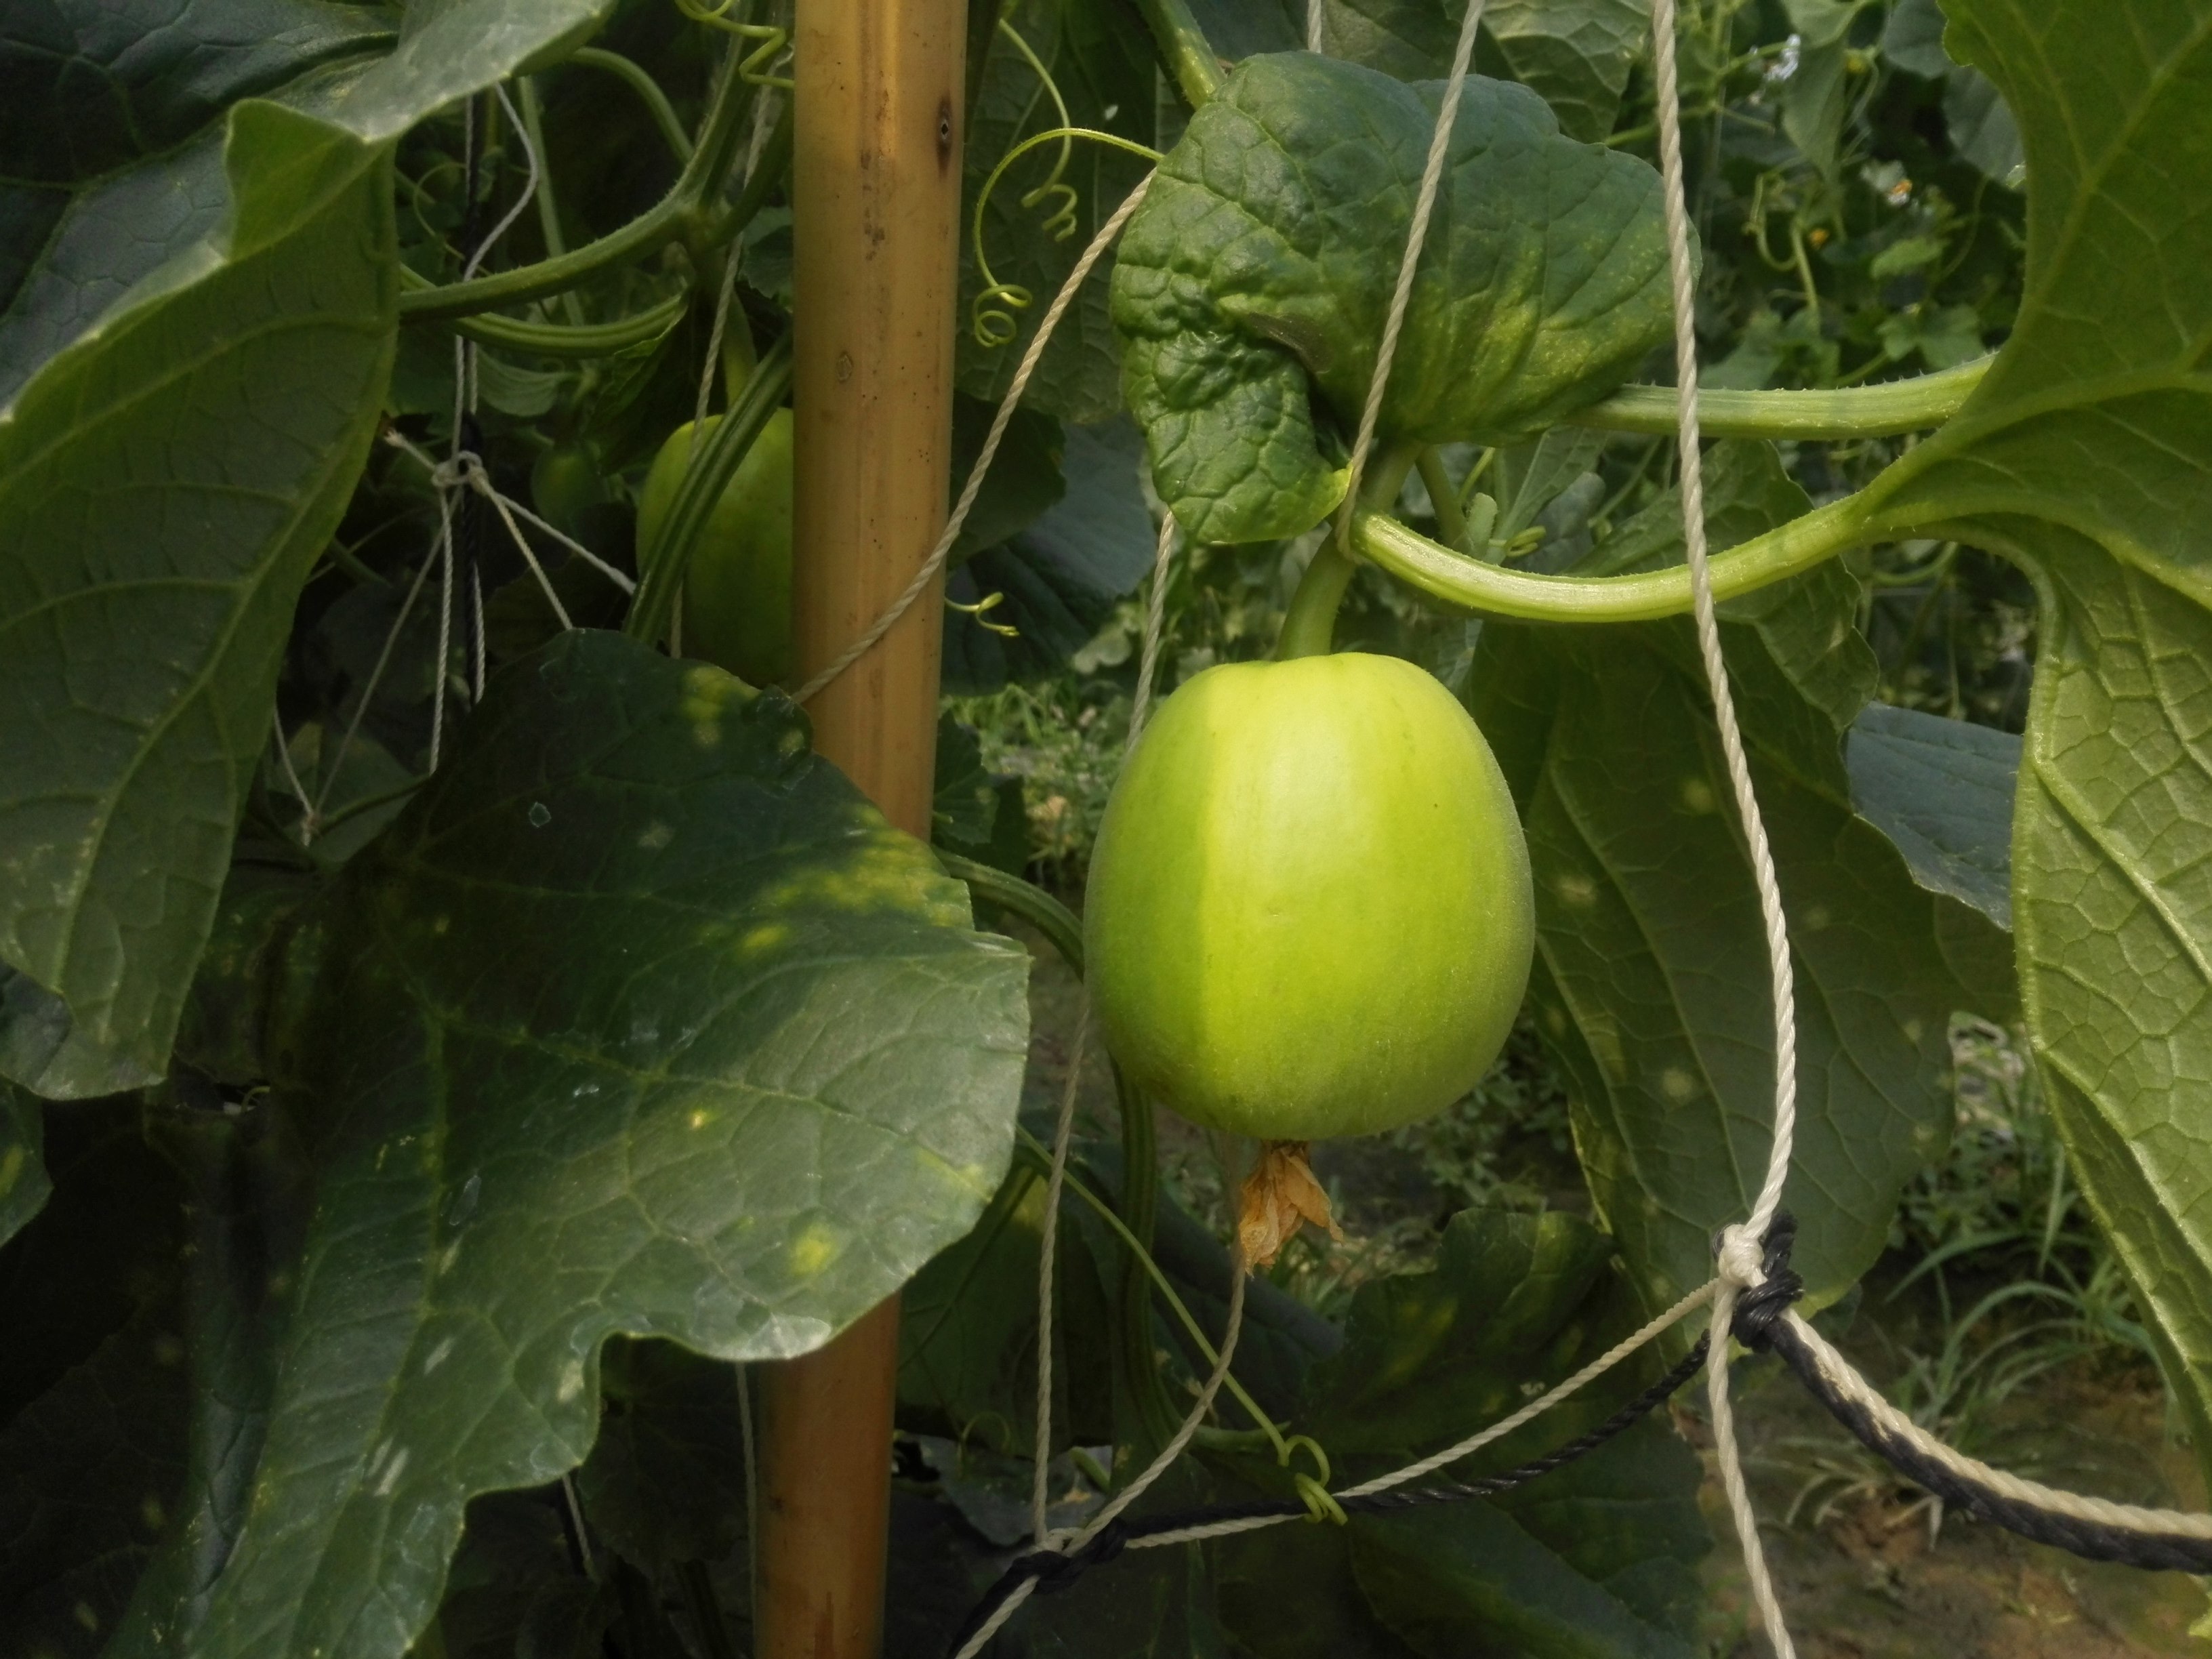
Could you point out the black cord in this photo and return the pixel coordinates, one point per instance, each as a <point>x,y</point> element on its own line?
<point>1054,1569</point>
<point>1759,1322</point>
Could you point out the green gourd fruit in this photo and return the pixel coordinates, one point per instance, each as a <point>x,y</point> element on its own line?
<point>1310,911</point>
<point>568,482</point>
<point>737,593</point>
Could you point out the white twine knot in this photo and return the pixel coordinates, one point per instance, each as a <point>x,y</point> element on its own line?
<point>1742,1259</point>
<point>463,469</point>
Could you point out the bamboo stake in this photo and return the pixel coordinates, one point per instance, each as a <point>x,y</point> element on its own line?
<point>876,176</point>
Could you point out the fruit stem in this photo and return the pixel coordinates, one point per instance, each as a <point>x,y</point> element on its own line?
<point>1310,625</point>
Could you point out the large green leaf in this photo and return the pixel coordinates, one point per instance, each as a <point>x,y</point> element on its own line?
<point>244,1184</point>
<point>197,364</point>
<point>1576,54</point>
<point>2086,454</point>
<point>639,1020</point>
<point>1258,271</point>
<point>88,1475</point>
<point>1651,980</point>
<point>164,486</point>
<point>111,129</point>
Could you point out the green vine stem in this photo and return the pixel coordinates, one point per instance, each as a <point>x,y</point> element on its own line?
<point>1040,1156</point>
<point>1024,899</point>
<point>1861,411</point>
<point>642,83</point>
<point>686,202</point>
<point>1472,585</point>
<point>1140,1142</point>
<point>1310,624</point>
<point>1184,48</point>
<point>563,339</point>
<point>661,565</point>
<point>1443,498</point>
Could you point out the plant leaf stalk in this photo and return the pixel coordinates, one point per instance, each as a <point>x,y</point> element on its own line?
<point>682,212</point>
<point>1644,597</point>
<point>661,565</point>
<point>648,89</point>
<point>578,340</point>
<point>1184,48</point>
<point>1861,411</point>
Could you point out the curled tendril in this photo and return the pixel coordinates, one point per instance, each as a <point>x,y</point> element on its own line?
<point>994,326</point>
<point>1313,1491</point>
<point>988,602</point>
<point>753,68</point>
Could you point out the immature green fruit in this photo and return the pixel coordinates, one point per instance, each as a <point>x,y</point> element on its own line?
<point>1309,912</point>
<point>567,482</point>
<point>736,593</point>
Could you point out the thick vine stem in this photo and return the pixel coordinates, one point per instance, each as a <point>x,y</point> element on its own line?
<point>1024,899</point>
<point>693,189</point>
<point>1859,412</point>
<point>1190,57</point>
<point>581,340</point>
<point>1644,597</point>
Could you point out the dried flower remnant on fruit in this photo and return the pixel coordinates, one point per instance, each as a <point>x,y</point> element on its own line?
<point>1278,1196</point>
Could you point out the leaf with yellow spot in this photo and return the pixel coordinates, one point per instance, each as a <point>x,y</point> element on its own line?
<point>712,1053</point>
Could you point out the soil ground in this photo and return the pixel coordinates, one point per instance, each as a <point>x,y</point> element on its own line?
<point>1859,1572</point>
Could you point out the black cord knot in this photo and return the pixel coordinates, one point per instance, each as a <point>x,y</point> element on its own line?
<point>1759,1307</point>
<point>1055,1570</point>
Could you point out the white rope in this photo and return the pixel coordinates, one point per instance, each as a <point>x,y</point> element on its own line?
<point>1063,1132</point>
<point>309,818</point>
<point>375,678</point>
<point>1071,1543</point>
<point>1314,11</point>
<point>1156,607</point>
<point>445,557</point>
<point>464,469</point>
<point>1838,1373</point>
<point>1741,1248</point>
<point>935,562</point>
<point>1417,234</point>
